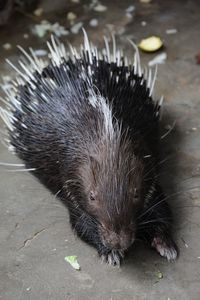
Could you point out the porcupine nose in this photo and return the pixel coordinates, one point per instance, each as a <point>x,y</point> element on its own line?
<point>120,240</point>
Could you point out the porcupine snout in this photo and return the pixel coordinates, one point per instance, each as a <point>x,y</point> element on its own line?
<point>118,240</point>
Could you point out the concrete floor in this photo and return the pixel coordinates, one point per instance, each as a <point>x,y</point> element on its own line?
<point>35,235</point>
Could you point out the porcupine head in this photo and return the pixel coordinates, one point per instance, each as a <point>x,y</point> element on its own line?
<point>111,177</point>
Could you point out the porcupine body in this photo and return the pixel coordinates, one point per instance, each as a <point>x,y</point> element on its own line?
<point>87,127</point>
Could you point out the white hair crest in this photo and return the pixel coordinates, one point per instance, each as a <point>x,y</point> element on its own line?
<point>100,103</point>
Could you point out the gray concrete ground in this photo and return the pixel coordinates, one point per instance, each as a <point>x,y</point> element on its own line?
<point>35,235</point>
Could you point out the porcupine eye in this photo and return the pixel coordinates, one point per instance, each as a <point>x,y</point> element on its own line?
<point>92,196</point>
<point>136,193</point>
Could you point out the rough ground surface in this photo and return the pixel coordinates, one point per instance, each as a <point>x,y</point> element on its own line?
<point>35,235</point>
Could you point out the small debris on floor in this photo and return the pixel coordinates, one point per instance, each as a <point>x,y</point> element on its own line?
<point>159,275</point>
<point>100,8</point>
<point>143,23</point>
<point>45,26</point>
<point>75,1</point>
<point>76,27</point>
<point>151,44</point>
<point>158,59</point>
<point>38,12</point>
<point>25,36</point>
<point>94,23</point>
<point>28,289</point>
<point>129,15</point>
<point>41,29</point>
<point>171,31</point>
<point>72,260</point>
<point>71,17</point>
<point>7,46</point>
<point>130,9</point>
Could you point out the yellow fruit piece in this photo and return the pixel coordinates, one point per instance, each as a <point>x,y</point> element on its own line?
<point>150,44</point>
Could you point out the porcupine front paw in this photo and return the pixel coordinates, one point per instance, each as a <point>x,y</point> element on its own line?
<point>113,257</point>
<point>165,247</point>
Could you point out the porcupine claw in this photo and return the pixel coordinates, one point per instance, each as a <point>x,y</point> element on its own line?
<point>113,258</point>
<point>165,247</point>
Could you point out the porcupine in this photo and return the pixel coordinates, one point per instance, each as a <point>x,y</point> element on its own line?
<point>87,127</point>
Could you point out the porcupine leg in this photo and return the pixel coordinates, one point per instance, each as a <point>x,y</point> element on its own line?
<point>155,223</point>
<point>87,230</point>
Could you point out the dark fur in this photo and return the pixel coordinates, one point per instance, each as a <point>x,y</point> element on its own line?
<point>62,140</point>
